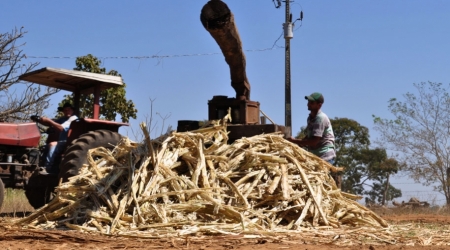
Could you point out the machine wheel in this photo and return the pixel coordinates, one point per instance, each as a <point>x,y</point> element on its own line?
<point>75,155</point>
<point>38,197</point>
<point>40,188</point>
<point>2,193</point>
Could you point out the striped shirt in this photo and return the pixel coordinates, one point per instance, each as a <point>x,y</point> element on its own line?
<point>320,126</point>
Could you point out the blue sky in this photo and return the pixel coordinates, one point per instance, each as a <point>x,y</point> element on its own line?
<point>359,54</point>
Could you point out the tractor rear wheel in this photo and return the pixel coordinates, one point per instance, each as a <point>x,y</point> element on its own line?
<point>76,154</point>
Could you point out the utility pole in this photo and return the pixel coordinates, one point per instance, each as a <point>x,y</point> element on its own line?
<point>288,35</point>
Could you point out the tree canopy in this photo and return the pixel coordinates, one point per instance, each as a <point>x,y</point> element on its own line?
<point>367,170</point>
<point>113,101</point>
<point>350,139</point>
<point>18,99</point>
<point>420,134</point>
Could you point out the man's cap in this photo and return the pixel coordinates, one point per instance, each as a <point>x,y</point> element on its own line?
<point>66,105</point>
<point>315,97</point>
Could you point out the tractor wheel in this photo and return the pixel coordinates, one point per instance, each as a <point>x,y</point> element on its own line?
<point>76,154</point>
<point>38,197</point>
<point>2,193</point>
<point>40,189</point>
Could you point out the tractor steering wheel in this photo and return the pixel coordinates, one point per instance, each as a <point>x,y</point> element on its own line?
<point>36,119</point>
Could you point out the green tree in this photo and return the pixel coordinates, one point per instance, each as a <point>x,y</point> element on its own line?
<point>18,99</point>
<point>379,193</point>
<point>367,170</point>
<point>420,134</point>
<point>113,101</point>
<point>350,139</point>
<point>378,169</point>
<point>383,172</point>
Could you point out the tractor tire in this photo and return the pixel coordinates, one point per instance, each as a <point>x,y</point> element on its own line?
<point>38,197</point>
<point>40,189</point>
<point>76,154</point>
<point>2,194</point>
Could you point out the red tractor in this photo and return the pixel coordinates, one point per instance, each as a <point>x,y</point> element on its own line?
<point>20,154</point>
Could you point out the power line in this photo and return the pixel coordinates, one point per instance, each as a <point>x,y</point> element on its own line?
<point>419,191</point>
<point>152,56</point>
<point>409,183</point>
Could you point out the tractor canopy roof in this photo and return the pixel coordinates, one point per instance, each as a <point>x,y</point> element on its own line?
<point>72,80</point>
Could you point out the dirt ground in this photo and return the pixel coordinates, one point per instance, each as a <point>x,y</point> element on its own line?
<point>15,238</point>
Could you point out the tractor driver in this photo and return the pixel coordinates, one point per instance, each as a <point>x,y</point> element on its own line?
<point>61,125</point>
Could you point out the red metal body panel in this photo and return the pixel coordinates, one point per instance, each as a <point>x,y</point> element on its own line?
<point>24,134</point>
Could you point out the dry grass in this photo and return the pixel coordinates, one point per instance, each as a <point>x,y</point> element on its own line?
<point>15,203</point>
<point>404,211</point>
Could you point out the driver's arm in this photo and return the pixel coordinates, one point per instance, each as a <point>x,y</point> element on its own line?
<point>51,123</point>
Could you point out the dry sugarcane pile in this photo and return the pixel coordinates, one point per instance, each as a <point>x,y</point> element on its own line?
<point>194,182</point>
